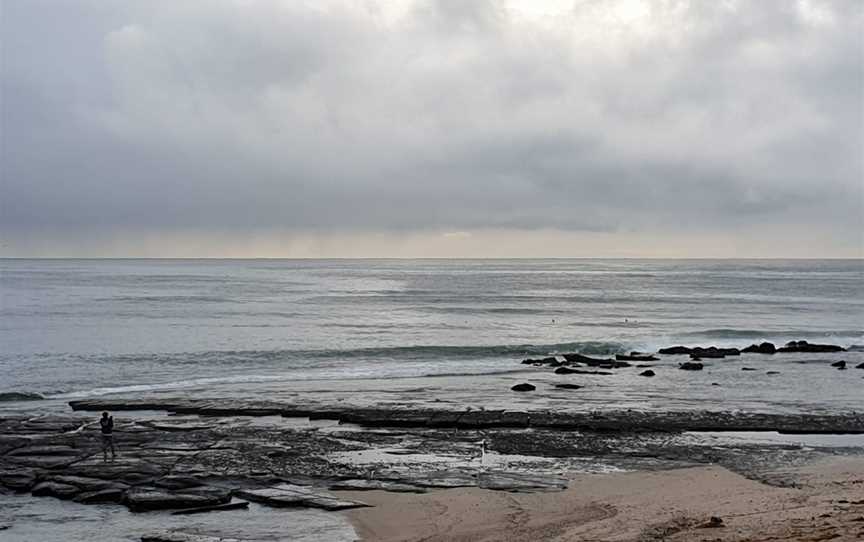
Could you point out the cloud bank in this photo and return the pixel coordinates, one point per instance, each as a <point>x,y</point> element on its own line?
<point>638,123</point>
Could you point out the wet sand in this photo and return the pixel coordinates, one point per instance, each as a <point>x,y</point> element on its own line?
<point>822,501</point>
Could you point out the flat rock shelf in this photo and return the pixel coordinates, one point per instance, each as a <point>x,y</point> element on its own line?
<point>614,421</point>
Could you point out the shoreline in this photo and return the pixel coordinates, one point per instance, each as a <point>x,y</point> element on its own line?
<point>642,506</point>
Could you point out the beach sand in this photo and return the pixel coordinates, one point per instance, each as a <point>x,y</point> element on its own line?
<point>823,501</point>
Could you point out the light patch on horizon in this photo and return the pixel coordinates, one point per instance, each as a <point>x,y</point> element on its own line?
<point>433,127</point>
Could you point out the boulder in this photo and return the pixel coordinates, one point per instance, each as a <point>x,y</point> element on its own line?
<point>747,369</point>
<point>804,346</point>
<point>839,364</point>
<point>860,366</point>
<point>772,373</point>
<point>690,366</point>
<point>524,387</point>
<point>649,372</point>
<point>763,348</point>
<point>565,371</point>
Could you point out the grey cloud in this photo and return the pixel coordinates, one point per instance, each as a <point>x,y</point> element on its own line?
<point>163,115</point>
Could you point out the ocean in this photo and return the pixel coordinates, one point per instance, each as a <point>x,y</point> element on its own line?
<point>77,328</point>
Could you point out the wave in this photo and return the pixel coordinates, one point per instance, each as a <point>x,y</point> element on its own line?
<point>726,333</point>
<point>417,353</point>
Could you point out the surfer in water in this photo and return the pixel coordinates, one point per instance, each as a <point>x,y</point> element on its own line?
<point>106,425</point>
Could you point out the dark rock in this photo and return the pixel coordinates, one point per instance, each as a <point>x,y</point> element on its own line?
<point>477,419</point>
<point>524,387</point>
<point>565,371</point>
<point>675,350</point>
<point>712,352</point>
<point>636,356</point>
<point>588,361</point>
<point>690,366</point>
<point>772,373</point>
<point>569,386</point>
<point>649,372</point>
<point>747,369</point>
<point>715,384</point>
<point>860,366</point>
<point>18,479</point>
<point>763,348</point>
<point>55,489</point>
<point>804,346</point>
<point>839,364</point>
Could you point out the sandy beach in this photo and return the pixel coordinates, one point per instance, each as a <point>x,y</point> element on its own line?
<point>823,501</point>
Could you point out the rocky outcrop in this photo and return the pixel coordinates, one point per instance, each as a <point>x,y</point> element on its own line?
<point>675,350</point>
<point>860,366</point>
<point>839,364</point>
<point>712,352</point>
<point>690,366</point>
<point>700,351</point>
<point>595,362</point>
<point>763,348</point>
<point>649,372</point>
<point>401,417</point>
<point>804,346</point>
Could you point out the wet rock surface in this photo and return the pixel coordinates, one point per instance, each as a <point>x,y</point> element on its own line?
<point>620,421</point>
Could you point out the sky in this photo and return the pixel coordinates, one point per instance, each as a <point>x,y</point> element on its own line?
<point>432,128</point>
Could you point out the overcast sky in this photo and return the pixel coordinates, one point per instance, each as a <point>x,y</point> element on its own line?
<point>432,127</point>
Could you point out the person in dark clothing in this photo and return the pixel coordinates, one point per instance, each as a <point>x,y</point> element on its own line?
<point>106,424</point>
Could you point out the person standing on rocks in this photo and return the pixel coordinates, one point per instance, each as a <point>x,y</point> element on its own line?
<point>106,424</point>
